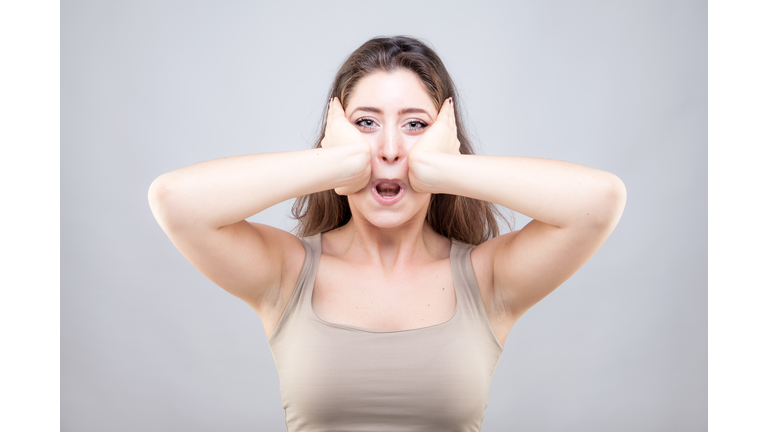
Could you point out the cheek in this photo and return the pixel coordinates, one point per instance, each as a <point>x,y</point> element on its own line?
<point>410,140</point>
<point>371,138</point>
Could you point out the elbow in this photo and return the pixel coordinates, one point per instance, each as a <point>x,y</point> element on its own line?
<point>608,205</point>
<point>155,194</point>
<point>160,197</point>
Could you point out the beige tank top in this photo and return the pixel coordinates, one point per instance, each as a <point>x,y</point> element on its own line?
<point>338,378</point>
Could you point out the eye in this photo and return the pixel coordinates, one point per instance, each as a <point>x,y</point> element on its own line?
<point>415,125</point>
<point>366,123</point>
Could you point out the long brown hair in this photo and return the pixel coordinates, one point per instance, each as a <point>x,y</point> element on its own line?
<point>465,219</point>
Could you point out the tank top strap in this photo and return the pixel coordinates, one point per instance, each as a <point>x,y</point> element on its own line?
<point>313,247</point>
<point>301,298</point>
<point>467,289</point>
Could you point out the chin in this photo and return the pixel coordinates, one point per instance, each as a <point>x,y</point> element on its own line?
<point>408,211</point>
<point>390,218</point>
<point>389,221</point>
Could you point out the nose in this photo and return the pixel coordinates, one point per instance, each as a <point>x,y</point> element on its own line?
<point>391,146</point>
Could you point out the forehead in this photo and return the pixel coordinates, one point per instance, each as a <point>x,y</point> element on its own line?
<point>395,89</point>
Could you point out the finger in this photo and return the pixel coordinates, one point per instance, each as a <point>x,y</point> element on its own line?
<point>332,112</point>
<point>328,115</point>
<point>444,110</point>
<point>338,107</point>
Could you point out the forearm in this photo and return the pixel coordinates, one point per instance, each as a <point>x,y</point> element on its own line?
<point>224,191</point>
<point>558,193</point>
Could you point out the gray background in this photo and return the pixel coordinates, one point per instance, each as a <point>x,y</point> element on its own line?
<point>148,343</point>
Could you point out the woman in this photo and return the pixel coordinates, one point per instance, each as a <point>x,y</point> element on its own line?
<point>392,309</point>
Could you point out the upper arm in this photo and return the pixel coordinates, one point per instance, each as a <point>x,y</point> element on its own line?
<point>522,267</point>
<point>254,262</point>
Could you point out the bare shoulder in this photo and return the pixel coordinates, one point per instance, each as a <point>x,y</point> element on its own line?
<point>289,249</point>
<point>254,262</point>
<point>483,258</point>
<point>334,242</point>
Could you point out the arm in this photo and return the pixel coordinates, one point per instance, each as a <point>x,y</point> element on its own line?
<point>202,208</point>
<point>574,209</point>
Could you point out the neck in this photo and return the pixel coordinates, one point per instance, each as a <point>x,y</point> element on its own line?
<point>412,243</point>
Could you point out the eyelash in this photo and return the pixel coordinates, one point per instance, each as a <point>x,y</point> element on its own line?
<point>421,124</point>
<point>360,123</point>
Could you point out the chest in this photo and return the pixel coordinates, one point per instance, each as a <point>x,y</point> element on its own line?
<point>342,380</point>
<point>364,297</point>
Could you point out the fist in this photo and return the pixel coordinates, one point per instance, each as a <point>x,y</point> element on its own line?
<point>440,138</point>
<point>340,132</point>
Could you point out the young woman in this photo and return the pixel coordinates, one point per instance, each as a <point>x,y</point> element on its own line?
<point>390,309</point>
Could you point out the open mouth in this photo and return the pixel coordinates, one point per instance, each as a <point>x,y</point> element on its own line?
<point>388,191</point>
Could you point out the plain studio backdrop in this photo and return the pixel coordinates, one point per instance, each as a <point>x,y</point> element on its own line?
<point>148,343</point>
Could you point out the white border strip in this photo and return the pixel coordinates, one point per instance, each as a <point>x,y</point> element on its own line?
<point>738,168</point>
<point>29,215</point>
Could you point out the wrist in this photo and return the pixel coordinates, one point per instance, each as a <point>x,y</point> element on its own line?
<point>426,170</point>
<point>354,167</point>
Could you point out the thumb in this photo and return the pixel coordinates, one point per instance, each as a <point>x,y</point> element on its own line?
<point>446,110</point>
<point>335,109</point>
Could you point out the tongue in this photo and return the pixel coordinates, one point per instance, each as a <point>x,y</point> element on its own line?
<point>388,189</point>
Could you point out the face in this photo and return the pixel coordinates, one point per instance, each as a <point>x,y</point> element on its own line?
<point>392,110</point>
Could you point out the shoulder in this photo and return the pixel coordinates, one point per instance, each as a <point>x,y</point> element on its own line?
<point>483,254</point>
<point>484,258</point>
<point>290,250</point>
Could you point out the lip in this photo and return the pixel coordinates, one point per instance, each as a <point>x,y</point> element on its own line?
<point>388,200</point>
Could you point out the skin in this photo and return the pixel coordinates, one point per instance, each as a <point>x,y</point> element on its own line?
<point>390,130</point>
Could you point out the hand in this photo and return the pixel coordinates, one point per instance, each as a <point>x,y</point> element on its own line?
<point>340,132</point>
<point>440,138</point>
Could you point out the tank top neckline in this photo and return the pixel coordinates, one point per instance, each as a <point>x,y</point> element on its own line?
<point>311,290</point>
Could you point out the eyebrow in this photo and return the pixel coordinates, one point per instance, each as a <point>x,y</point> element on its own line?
<point>401,112</point>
